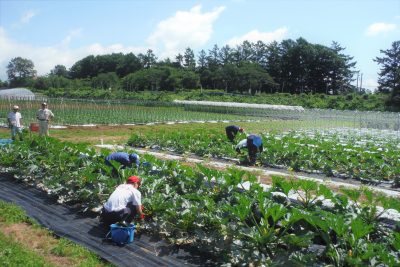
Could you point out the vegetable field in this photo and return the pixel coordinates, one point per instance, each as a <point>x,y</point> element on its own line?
<point>211,210</point>
<point>75,112</point>
<point>79,112</point>
<point>372,156</point>
<point>226,213</point>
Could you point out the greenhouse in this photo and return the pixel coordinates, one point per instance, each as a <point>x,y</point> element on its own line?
<point>17,93</point>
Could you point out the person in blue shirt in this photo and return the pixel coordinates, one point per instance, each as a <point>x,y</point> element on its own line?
<point>125,159</point>
<point>232,131</point>
<point>254,145</point>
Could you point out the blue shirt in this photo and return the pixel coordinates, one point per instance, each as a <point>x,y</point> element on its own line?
<point>121,157</point>
<point>257,141</point>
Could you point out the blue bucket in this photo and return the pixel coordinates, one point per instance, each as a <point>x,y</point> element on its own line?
<point>4,142</point>
<point>122,235</point>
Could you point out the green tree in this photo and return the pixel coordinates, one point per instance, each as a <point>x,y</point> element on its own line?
<point>148,60</point>
<point>20,71</point>
<point>178,61</point>
<point>128,64</point>
<point>60,70</point>
<point>341,72</point>
<point>189,79</point>
<point>3,84</point>
<point>108,80</point>
<point>189,60</point>
<point>41,83</point>
<point>389,75</point>
<point>84,68</point>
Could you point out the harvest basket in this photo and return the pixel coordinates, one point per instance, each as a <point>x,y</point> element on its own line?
<point>34,127</point>
<point>122,235</point>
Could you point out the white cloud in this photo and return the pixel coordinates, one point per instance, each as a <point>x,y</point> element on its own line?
<point>379,28</point>
<point>46,57</point>
<point>72,34</point>
<point>255,36</point>
<point>27,16</point>
<point>185,29</point>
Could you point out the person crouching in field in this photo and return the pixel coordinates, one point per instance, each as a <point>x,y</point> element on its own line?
<point>123,158</point>
<point>44,115</point>
<point>14,119</point>
<point>124,204</point>
<point>254,146</point>
<point>232,131</point>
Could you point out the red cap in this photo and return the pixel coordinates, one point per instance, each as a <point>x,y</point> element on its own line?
<point>241,129</point>
<point>133,179</point>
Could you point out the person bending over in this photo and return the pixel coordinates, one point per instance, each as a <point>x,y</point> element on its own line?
<point>254,145</point>
<point>232,131</point>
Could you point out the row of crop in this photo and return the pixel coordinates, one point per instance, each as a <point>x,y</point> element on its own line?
<point>206,209</point>
<point>87,112</point>
<point>351,156</point>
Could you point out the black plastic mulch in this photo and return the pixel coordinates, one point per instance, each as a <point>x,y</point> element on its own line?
<point>66,222</point>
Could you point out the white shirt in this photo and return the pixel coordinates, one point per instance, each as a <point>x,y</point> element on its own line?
<point>15,118</point>
<point>44,114</point>
<point>121,196</point>
<point>242,144</point>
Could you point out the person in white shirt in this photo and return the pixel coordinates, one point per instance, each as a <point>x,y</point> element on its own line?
<point>254,146</point>
<point>14,119</point>
<point>124,204</point>
<point>44,115</point>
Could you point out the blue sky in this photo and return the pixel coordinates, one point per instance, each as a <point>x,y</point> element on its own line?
<point>51,32</point>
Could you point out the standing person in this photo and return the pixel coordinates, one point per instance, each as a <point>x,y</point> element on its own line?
<point>14,119</point>
<point>254,145</point>
<point>232,130</point>
<point>44,115</point>
<point>124,204</point>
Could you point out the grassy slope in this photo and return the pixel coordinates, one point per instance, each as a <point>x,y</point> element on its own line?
<point>24,243</point>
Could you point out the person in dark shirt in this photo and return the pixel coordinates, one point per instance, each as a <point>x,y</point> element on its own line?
<point>125,159</point>
<point>232,131</point>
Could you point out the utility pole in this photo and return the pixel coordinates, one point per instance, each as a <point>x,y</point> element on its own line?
<point>361,82</point>
<point>358,73</point>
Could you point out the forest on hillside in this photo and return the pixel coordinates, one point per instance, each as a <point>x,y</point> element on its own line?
<point>290,67</point>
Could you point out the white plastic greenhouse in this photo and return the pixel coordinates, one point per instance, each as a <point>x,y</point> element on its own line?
<point>17,93</point>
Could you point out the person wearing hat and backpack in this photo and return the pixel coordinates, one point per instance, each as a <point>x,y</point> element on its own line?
<point>124,204</point>
<point>14,119</point>
<point>232,131</point>
<point>44,115</point>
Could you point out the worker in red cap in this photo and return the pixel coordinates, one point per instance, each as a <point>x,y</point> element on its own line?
<point>124,204</point>
<point>232,131</point>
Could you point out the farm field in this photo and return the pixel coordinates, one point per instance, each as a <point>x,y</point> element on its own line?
<point>206,209</point>
<point>80,112</point>
<point>75,112</point>
<point>119,134</point>
<point>292,222</point>
<point>344,152</point>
